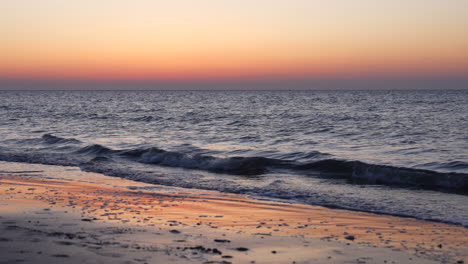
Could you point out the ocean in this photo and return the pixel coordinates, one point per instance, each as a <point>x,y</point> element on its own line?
<point>401,153</point>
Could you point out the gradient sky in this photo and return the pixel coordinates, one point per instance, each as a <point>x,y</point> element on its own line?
<point>216,39</point>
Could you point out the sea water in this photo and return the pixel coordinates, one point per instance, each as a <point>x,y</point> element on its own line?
<point>392,152</point>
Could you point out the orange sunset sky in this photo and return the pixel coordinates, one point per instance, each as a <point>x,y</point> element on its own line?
<point>216,39</point>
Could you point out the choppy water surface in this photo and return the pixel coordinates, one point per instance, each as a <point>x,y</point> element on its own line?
<point>395,152</point>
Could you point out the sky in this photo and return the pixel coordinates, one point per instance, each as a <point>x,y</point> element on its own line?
<point>206,40</point>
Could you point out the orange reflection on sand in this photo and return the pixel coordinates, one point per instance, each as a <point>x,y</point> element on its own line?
<point>204,209</point>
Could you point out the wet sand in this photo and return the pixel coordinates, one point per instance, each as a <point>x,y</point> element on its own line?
<point>52,214</point>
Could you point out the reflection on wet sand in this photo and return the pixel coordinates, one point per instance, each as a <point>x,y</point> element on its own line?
<point>187,221</point>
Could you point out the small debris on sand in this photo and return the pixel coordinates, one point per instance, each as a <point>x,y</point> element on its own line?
<point>222,241</point>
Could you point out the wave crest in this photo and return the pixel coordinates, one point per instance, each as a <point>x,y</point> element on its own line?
<point>360,172</point>
<point>232,165</point>
<point>95,149</point>
<point>51,139</point>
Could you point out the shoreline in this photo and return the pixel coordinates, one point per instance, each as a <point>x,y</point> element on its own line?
<point>188,221</point>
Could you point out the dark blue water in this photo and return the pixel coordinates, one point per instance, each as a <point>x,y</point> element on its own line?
<point>395,152</point>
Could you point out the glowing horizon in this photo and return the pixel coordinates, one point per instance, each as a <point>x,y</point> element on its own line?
<point>208,39</point>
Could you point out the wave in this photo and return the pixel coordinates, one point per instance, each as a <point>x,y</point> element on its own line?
<point>146,118</point>
<point>360,172</point>
<point>353,171</point>
<point>454,165</point>
<point>95,149</point>
<point>232,165</point>
<point>51,139</point>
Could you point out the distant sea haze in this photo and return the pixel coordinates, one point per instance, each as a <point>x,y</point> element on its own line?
<point>392,152</point>
<point>243,84</point>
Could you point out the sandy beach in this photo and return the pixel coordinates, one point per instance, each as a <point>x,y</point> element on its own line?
<point>222,132</point>
<point>52,214</point>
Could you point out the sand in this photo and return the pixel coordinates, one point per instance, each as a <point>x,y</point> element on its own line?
<point>51,214</point>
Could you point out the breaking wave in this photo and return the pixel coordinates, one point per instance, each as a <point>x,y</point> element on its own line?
<point>352,171</point>
<point>360,172</point>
